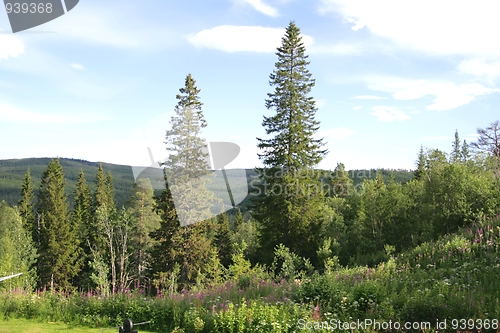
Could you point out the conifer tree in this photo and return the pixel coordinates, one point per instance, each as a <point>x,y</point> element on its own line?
<point>104,190</point>
<point>239,220</point>
<point>465,153</point>
<point>187,168</point>
<point>222,240</point>
<point>110,191</point>
<point>421,164</point>
<point>380,180</point>
<point>82,210</point>
<point>100,194</point>
<point>141,207</point>
<point>186,202</point>
<point>26,208</point>
<point>340,183</point>
<point>293,147</point>
<point>456,152</point>
<point>290,198</point>
<point>161,257</point>
<point>81,217</point>
<point>59,250</point>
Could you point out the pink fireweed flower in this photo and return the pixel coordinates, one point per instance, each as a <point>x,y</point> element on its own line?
<point>316,315</point>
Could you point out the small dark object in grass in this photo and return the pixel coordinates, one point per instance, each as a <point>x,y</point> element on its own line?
<point>127,327</point>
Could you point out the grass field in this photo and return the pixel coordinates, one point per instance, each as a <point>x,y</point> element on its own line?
<point>29,326</point>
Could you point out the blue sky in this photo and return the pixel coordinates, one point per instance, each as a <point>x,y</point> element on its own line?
<point>99,83</point>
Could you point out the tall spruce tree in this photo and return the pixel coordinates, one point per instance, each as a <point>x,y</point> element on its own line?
<point>187,169</point>
<point>291,196</point>
<point>181,236</point>
<point>59,251</point>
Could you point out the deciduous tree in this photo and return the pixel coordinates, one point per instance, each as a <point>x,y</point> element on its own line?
<point>489,139</point>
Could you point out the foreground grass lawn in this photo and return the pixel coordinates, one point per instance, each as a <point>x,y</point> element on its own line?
<point>29,326</point>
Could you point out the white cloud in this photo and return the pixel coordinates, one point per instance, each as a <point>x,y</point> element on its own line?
<point>357,107</point>
<point>336,133</point>
<point>448,95</point>
<point>480,67</point>
<point>368,97</point>
<point>437,138</point>
<point>230,38</point>
<point>443,27</point>
<point>321,102</point>
<point>265,9</point>
<point>10,113</point>
<point>357,24</point>
<point>10,46</point>
<point>389,113</point>
<point>78,67</point>
<point>413,109</point>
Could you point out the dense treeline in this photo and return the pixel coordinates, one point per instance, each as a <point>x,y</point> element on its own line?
<point>300,219</point>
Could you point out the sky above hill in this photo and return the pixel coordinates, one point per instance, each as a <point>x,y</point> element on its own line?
<point>99,83</point>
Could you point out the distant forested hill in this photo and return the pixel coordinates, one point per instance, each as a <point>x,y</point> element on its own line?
<point>12,174</point>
